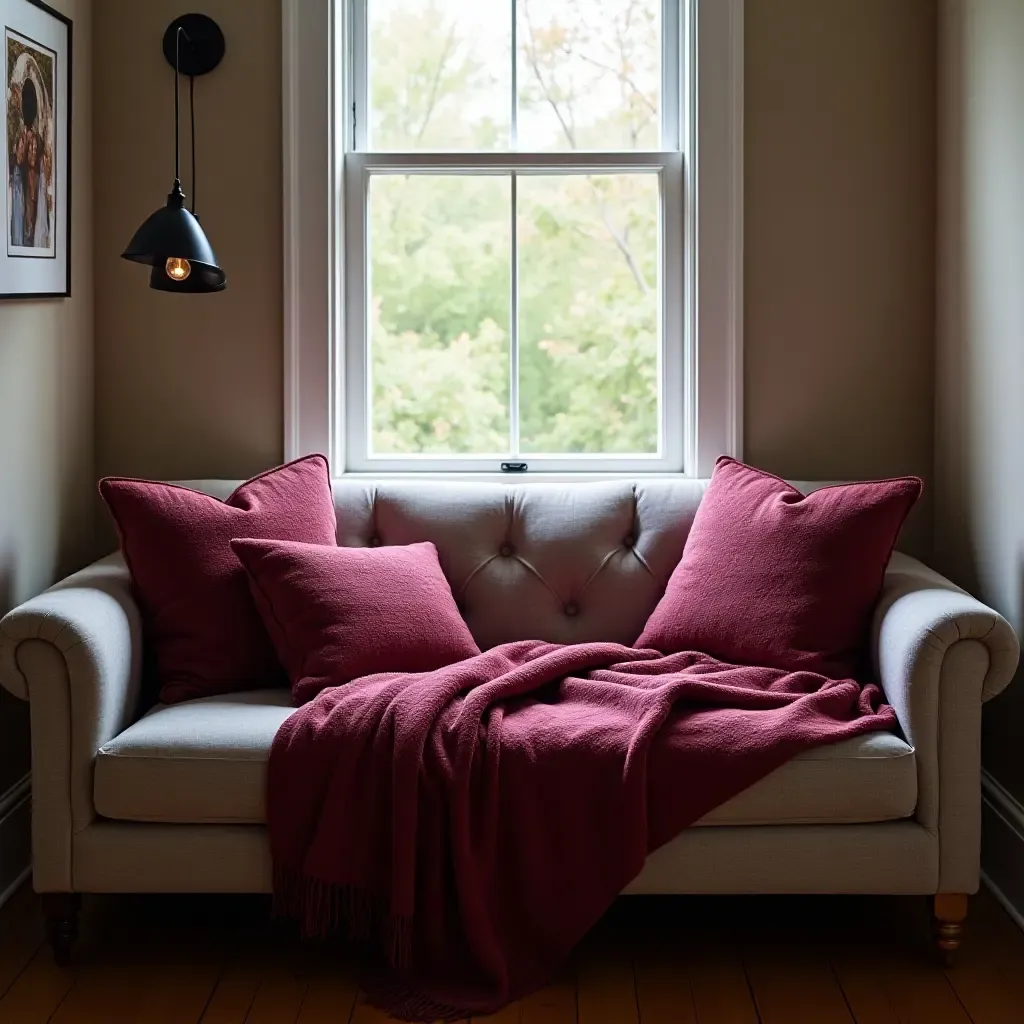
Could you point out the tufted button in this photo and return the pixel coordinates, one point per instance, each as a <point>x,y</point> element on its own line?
<point>506,550</point>
<point>628,541</point>
<point>572,609</point>
<point>375,542</point>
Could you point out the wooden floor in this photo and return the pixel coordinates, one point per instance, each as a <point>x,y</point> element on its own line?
<point>773,960</point>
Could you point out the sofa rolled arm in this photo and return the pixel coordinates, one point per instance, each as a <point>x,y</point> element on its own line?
<point>75,653</point>
<point>939,654</point>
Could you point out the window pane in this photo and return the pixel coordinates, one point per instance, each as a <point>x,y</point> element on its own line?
<point>440,74</point>
<point>440,286</point>
<point>588,313</point>
<point>589,74</point>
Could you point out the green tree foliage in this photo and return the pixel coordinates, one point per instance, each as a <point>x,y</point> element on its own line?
<point>441,273</point>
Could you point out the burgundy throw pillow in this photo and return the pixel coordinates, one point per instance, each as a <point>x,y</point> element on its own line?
<point>202,629</point>
<point>337,613</point>
<point>772,577</point>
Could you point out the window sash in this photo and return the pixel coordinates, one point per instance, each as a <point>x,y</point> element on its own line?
<point>676,72</point>
<point>674,371</point>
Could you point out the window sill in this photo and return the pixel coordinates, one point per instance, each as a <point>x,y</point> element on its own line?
<point>508,478</point>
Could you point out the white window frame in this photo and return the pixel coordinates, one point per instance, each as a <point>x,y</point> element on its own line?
<point>701,378</point>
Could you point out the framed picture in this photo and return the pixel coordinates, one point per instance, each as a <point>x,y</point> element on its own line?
<point>35,171</point>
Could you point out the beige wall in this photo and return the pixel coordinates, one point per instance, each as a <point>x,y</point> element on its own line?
<point>840,247</point>
<point>46,400</point>
<point>980,422</point>
<point>189,385</point>
<point>840,224</point>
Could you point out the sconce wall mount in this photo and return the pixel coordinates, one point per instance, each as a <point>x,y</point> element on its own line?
<point>202,44</point>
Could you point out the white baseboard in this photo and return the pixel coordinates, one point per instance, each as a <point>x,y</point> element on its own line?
<point>15,837</point>
<point>1002,846</point>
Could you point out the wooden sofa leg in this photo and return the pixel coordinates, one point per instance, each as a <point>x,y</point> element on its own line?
<point>949,909</point>
<point>61,912</point>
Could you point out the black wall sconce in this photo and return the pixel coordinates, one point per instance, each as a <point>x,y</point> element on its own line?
<point>171,241</point>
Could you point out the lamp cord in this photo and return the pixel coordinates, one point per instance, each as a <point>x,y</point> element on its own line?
<point>177,62</point>
<point>192,113</point>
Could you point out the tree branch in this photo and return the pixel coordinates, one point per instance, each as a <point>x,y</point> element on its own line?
<point>531,53</point>
<point>435,84</point>
<point>622,76</point>
<point>622,244</point>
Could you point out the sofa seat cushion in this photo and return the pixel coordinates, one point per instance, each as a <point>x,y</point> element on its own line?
<point>199,761</point>
<point>206,761</point>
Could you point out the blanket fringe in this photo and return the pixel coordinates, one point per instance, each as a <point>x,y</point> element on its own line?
<point>323,908</point>
<point>399,1001</point>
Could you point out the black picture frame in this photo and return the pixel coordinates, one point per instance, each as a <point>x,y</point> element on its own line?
<point>63,158</point>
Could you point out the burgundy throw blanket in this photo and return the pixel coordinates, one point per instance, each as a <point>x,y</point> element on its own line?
<point>474,822</point>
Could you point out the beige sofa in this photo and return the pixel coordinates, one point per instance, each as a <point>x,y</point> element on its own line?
<point>173,801</point>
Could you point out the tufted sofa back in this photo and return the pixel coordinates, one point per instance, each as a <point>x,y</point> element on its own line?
<point>559,562</point>
<point>566,562</point>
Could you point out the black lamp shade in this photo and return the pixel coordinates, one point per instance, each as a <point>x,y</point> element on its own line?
<point>174,233</point>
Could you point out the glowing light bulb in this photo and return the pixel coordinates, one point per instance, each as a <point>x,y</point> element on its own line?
<point>177,269</point>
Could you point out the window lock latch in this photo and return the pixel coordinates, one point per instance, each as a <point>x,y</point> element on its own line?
<point>514,467</point>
